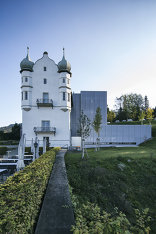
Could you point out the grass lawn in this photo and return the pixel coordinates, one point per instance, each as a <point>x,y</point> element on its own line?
<point>117,177</point>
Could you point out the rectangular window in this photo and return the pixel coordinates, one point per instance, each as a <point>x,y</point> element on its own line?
<point>44,81</point>
<point>68,97</point>
<point>68,81</point>
<point>26,79</point>
<point>45,97</point>
<point>26,95</point>
<point>64,96</point>
<point>45,125</point>
<point>22,95</point>
<point>63,80</point>
<point>44,68</point>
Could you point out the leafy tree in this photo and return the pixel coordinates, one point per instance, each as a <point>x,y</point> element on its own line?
<point>16,131</point>
<point>129,106</point>
<point>84,129</point>
<point>97,123</point>
<point>141,117</point>
<point>154,112</point>
<point>146,103</point>
<point>111,116</point>
<point>149,114</point>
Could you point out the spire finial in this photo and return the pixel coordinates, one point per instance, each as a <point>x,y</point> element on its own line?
<point>63,52</point>
<point>27,50</point>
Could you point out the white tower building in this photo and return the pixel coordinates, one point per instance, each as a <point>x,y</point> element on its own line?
<point>46,100</point>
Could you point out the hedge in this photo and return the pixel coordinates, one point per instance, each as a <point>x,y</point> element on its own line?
<point>22,194</point>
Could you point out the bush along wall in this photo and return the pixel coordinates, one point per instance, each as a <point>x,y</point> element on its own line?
<point>21,195</point>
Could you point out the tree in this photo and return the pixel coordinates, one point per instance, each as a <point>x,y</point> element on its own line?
<point>129,106</point>
<point>84,129</point>
<point>111,116</point>
<point>97,123</point>
<point>16,132</point>
<point>154,112</point>
<point>146,103</point>
<point>141,117</point>
<point>149,114</point>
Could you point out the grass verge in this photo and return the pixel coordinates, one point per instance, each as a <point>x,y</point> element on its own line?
<point>115,177</point>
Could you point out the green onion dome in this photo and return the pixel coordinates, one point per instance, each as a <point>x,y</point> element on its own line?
<point>64,65</point>
<point>26,64</point>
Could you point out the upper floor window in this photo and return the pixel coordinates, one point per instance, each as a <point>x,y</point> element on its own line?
<point>44,68</point>
<point>22,95</point>
<point>68,97</point>
<point>63,80</point>
<point>64,96</point>
<point>26,79</point>
<point>44,81</point>
<point>26,95</point>
<point>45,97</point>
<point>67,81</point>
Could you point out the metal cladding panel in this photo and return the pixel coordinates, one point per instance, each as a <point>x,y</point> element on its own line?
<point>123,134</point>
<point>75,114</point>
<point>88,101</point>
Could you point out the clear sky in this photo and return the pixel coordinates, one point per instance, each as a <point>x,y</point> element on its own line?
<point>111,46</point>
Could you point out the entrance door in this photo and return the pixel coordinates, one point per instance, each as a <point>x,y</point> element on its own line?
<point>47,141</point>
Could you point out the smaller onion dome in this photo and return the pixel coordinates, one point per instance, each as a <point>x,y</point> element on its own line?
<point>64,65</point>
<point>26,64</point>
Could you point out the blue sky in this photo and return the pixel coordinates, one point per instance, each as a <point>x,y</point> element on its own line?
<point>111,46</point>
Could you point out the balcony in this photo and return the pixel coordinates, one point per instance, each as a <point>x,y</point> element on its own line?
<point>45,130</point>
<point>44,103</point>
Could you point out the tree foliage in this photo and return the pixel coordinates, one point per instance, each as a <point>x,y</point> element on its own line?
<point>110,116</point>
<point>84,126</point>
<point>141,117</point>
<point>84,130</point>
<point>97,121</point>
<point>149,114</point>
<point>13,135</point>
<point>129,106</point>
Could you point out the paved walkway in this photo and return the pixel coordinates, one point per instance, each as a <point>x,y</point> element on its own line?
<point>56,216</point>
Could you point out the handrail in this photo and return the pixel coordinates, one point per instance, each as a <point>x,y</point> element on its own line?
<point>44,100</point>
<point>45,129</point>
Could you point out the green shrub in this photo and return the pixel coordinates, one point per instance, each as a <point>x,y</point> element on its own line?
<point>3,150</point>
<point>21,195</point>
<point>89,218</point>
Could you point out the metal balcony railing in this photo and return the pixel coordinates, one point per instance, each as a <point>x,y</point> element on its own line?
<point>45,130</point>
<point>44,102</point>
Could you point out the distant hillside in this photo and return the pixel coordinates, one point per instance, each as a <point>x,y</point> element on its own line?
<point>7,129</point>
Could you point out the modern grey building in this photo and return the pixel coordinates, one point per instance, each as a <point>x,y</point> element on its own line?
<point>87,101</point>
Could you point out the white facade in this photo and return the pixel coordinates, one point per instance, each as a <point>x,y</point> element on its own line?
<point>46,102</point>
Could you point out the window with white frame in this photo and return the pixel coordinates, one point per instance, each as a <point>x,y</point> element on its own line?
<point>68,97</point>
<point>26,95</point>
<point>64,96</point>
